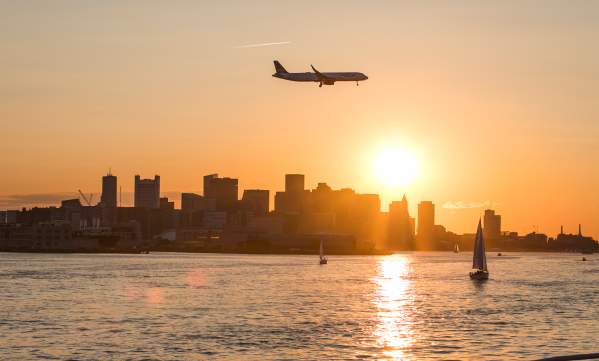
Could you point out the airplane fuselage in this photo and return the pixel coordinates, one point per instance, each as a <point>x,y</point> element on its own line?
<point>328,78</point>
<point>312,77</point>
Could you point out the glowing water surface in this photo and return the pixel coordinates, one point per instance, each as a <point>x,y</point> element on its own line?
<point>200,306</point>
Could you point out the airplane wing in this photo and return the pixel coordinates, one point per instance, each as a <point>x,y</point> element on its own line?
<point>321,76</point>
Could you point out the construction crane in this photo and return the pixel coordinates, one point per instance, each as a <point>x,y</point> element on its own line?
<point>87,200</point>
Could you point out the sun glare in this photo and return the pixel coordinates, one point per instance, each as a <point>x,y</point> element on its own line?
<point>396,167</point>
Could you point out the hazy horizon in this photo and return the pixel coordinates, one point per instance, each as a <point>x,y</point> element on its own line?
<point>497,101</point>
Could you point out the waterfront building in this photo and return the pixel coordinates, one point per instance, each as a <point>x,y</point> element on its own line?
<point>294,183</point>
<point>573,242</point>
<point>293,199</point>
<point>8,217</point>
<point>214,220</point>
<point>191,202</point>
<point>109,191</point>
<point>491,225</point>
<point>166,204</point>
<point>401,226</point>
<point>224,192</point>
<point>256,201</point>
<point>426,224</point>
<point>147,192</point>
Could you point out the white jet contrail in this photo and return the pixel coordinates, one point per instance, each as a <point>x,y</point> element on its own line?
<point>259,45</point>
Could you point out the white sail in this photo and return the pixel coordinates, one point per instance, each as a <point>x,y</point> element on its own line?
<point>479,258</point>
<point>321,251</point>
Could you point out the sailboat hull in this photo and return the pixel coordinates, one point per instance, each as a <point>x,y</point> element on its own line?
<point>479,275</point>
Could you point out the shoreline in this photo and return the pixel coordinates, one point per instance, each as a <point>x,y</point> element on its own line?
<point>257,252</point>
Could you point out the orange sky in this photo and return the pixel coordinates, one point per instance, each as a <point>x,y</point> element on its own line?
<point>498,100</point>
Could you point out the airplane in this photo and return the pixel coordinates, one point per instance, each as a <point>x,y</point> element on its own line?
<point>318,77</point>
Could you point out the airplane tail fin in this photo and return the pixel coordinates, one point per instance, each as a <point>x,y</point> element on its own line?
<point>279,68</point>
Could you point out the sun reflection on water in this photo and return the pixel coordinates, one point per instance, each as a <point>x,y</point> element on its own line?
<point>393,299</point>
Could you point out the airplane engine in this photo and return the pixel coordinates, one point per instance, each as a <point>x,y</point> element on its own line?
<point>328,82</point>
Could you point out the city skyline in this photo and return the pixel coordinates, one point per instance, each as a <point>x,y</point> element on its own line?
<point>152,198</point>
<point>495,100</point>
<point>387,179</point>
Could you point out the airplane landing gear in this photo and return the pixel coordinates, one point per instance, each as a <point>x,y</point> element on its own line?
<point>320,85</point>
<point>357,83</point>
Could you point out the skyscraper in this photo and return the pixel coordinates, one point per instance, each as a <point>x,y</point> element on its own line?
<point>191,202</point>
<point>293,199</point>
<point>491,225</point>
<point>400,234</point>
<point>224,191</point>
<point>108,198</point>
<point>147,192</point>
<point>256,201</point>
<point>294,183</point>
<point>426,224</point>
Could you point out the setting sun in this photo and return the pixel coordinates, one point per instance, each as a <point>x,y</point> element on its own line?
<point>396,167</point>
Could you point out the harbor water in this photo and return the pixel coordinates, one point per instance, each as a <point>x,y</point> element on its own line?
<point>172,306</point>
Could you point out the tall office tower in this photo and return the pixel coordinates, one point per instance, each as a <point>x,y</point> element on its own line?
<point>108,198</point>
<point>293,199</point>
<point>491,225</point>
<point>426,223</point>
<point>147,192</point>
<point>193,207</point>
<point>256,201</point>
<point>224,191</point>
<point>191,202</point>
<point>400,226</point>
<point>294,183</point>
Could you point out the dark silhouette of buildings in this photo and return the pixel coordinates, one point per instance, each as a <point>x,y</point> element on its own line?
<point>327,211</point>
<point>255,201</point>
<point>108,200</point>
<point>193,207</point>
<point>166,204</point>
<point>572,242</point>
<point>426,225</point>
<point>294,183</point>
<point>223,191</point>
<point>147,192</point>
<point>293,199</point>
<point>491,225</point>
<point>192,202</point>
<point>401,226</point>
<point>8,217</point>
<point>346,221</point>
<point>108,197</point>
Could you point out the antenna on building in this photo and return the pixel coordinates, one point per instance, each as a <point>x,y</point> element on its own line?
<point>109,170</point>
<point>120,196</point>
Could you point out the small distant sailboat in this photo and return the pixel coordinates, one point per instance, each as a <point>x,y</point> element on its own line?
<point>456,248</point>
<point>479,258</point>
<point>323,259</point>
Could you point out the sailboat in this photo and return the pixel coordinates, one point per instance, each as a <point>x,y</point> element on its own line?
<point>456,248</point>
<point>323,259</point>
<point>479,258</point>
